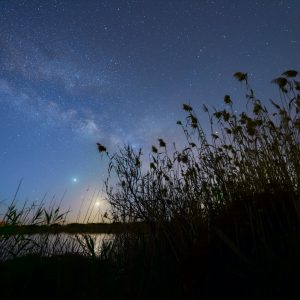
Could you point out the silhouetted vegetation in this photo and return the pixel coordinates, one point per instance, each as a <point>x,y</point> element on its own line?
<point>223,209</point>
<point>216,218</point>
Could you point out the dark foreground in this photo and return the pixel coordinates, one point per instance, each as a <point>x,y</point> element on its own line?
<point>251,251</point>
<point>75,277</point>
<point>246,256</point>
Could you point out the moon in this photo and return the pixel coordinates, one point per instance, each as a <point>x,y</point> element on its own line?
<point>74,179</point>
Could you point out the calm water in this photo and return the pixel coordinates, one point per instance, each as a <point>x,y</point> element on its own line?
<point>53,244</point>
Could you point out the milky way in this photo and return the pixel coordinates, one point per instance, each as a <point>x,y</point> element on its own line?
<point>73,73</point>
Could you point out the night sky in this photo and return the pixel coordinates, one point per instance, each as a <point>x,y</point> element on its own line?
<point>74,73</point>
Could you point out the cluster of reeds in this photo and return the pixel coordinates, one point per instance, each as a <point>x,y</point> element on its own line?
<point>36,229</point>
<point>236,187</point>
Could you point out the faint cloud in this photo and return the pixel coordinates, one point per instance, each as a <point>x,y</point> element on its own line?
<point>35,64</point>
<point>89,127</point>
<point>48,112</point>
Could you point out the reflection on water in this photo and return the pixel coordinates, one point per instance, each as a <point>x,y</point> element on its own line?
<point>54,244</point>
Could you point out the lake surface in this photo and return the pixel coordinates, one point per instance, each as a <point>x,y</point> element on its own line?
<point>54,244</point>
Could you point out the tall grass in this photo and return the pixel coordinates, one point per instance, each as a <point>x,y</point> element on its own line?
<point>233,192</point>
<point>37,229</point>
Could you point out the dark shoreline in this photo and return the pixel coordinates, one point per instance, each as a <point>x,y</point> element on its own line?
<point>73,228</point>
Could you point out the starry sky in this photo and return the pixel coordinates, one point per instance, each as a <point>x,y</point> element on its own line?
<point>77,72</point>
